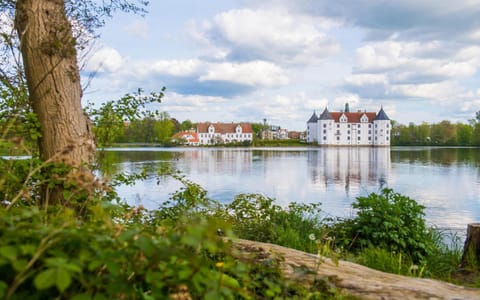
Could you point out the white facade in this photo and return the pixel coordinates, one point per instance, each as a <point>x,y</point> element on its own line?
<point>349,128</point>
<point>224,133</point>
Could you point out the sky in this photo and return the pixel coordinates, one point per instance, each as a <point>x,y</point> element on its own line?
<point>281,60</point>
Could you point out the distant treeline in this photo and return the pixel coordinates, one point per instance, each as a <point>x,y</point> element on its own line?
<point>444,133</point>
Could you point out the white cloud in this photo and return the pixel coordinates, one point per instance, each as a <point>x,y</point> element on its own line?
<point>439,91</point>
<point>106,59</point>
<point>246,34</point>
<point>255,73</point>
<point>180,68</point>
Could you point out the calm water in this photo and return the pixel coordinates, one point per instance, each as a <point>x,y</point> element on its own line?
<point>445,180</point>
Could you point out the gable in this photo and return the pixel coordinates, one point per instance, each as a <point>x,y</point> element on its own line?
<point>354,117</point>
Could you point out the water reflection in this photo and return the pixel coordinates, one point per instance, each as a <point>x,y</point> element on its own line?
<point>445,180</point>
<point>350,167</point>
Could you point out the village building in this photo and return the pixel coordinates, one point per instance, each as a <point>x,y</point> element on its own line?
<point>347,128</point>
<point>189,138</point>
<point>224,133</point>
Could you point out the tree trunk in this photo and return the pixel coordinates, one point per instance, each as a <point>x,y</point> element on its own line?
<point>53,79</point>
<point>471,250</point>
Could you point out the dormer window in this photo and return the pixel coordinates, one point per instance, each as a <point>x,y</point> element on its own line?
<point>343,119</point>
<point>239,129</point>
<point>211,129</point>
<point>364,119</point>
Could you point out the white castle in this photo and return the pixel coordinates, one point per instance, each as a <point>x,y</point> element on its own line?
<point>347,128</point>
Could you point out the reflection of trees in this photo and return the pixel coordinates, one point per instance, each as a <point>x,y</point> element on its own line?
<point>438,156</point>
<point>111,162</point>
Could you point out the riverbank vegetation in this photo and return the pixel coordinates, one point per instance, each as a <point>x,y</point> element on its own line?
<point>94,246</point>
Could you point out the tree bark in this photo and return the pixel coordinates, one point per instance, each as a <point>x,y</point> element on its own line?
<point>53,79</point>
<point>471,250</point>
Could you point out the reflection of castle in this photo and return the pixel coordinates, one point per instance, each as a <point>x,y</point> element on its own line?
<point>350,166</point>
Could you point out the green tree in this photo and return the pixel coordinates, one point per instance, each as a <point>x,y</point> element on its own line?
<point>464,134</point>
<point>187,125</point>
<point>163,128</point>
<point>48,65</point>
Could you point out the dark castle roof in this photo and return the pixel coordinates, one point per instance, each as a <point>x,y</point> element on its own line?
<point>313,118</point>
<point>382,115</point>
<point>325,115</point>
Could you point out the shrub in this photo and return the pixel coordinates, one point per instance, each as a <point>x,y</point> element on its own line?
<point>390,221</point>
<point>258,218</point>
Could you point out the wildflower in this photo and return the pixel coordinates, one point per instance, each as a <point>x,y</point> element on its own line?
<point>311,237</point>
<point>219,264</point>
<point>414,267</point>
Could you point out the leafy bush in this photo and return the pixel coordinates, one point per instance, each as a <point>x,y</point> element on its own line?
<point>46,255</point>
<point>256,217</point>
<point>389,221</point>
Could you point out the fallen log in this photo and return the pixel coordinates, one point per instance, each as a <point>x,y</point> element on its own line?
<point>351,278</point>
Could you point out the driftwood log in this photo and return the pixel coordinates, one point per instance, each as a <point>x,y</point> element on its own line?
<point>350,278</point>
<point>471,250</point>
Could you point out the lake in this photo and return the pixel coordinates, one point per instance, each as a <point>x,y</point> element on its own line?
<point>445,180</point>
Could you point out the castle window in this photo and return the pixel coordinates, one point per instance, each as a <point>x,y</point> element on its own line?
<point>348,125</point>
<point>348,138</point>
<point>348,132</point>
<point>388,125</point>
<point>369,125</point>
<point>358,138</point>
<point>324,131</point>
<point>369,138</point>
<point>388,138</point>
<point>324,138</point>
<point>338,138</point>
<point>358,126</point>
<point>338,125</point>
<point>324,125</point>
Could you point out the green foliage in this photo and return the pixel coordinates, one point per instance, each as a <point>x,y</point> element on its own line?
<point>256,217</point>
<point>444,133</point>
<point>389,261</point>
<point>390,221</point>
<point>109,119</point>
<point>277,143</point>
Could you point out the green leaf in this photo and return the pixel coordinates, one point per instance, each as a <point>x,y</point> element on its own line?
<point>83,296</point>
<point>3,288</point>
<point>45,279</point>
<point>8,252</point>
<point>63,279</point>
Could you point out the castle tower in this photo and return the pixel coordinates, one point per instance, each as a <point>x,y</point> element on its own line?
<point>325,128</point>
<point>312,132</point>
<point>382,129</point>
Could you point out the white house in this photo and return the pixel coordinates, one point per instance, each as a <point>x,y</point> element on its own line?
<point>347,128</point>
<point>224,133</point>
<point>187,138</point>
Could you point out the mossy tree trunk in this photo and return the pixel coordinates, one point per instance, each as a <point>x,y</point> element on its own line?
<point>50,62</point>
<point>471,250</point>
